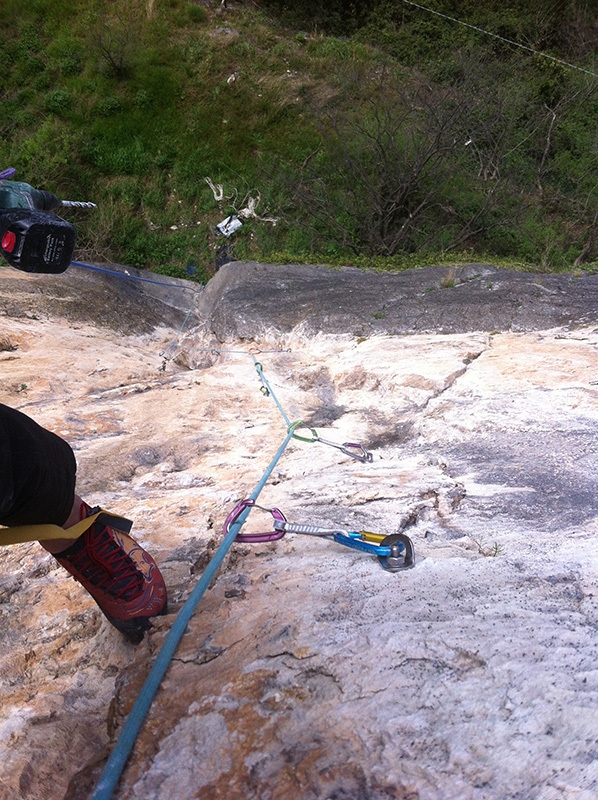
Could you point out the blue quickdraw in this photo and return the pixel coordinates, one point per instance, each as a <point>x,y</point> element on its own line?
<point>395,551</point>
<point>356,541</point>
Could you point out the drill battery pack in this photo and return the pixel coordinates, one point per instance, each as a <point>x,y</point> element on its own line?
<point>36,241</point>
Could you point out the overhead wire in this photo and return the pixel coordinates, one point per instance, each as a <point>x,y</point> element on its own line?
<point>502,38</point>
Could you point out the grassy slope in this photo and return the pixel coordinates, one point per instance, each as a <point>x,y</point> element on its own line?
<point>133,103</point>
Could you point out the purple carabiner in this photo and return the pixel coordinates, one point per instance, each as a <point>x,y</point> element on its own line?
<point>270,536</point>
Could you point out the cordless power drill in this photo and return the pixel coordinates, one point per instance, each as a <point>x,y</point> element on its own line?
<point>32,238</point>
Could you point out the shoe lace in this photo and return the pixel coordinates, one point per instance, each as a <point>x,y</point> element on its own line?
<point>105,564</point>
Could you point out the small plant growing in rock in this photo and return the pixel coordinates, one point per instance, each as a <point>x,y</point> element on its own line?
<point>448,282</point>
<point>488,551</point>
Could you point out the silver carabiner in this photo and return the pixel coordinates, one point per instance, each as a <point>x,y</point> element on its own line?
<point>363,455</point>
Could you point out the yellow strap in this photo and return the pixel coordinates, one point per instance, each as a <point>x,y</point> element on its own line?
<point>39,533</point>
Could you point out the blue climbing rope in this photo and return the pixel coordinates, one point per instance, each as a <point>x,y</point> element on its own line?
<point>269,392</point>
<point>127,276</point>
<point>356,451</point>
<point>125,742</point>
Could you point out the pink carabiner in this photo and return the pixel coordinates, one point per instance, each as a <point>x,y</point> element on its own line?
<point>270,536</point>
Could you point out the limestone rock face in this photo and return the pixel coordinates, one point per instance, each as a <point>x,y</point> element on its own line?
<point>250,299</point>
<point>308,671</point>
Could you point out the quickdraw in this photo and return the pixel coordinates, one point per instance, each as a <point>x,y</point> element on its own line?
<point>356,451</point>
<point>395,552</point>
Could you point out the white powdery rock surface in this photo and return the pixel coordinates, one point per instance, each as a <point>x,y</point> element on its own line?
<point>308,671</point>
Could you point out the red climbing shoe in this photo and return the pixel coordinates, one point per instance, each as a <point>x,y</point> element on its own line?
<point>120,576</point>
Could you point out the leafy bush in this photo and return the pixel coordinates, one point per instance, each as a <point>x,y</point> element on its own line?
<point>108,106</point>
<point>58,102</point>
<point>196,13</point>
<point>336,16</point>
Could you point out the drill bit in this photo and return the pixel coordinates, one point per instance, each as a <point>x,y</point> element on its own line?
<point>77,204</point>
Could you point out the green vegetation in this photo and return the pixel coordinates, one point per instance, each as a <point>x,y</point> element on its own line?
<point>373,134</point>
